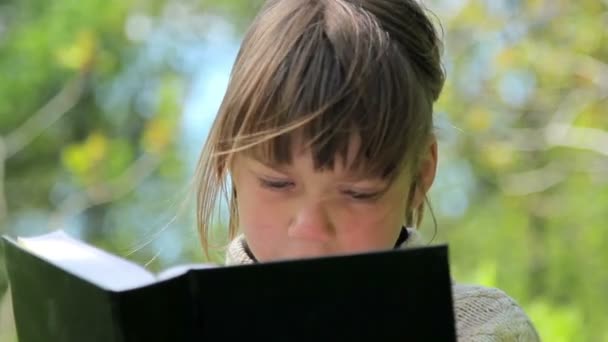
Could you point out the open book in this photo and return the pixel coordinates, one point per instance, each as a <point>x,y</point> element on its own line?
<point>66,290</point>
<point>95,265</point>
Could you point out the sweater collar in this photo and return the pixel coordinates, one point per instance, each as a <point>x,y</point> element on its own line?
<point>239,253</point>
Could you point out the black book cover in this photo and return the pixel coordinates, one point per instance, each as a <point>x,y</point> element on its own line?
<point>397,294</point>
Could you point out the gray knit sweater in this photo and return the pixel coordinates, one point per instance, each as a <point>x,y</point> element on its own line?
<point>482,314</point>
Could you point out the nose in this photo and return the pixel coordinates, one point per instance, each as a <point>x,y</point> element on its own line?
<point>312,223</point>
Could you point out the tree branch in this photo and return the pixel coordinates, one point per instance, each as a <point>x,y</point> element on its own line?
<point>596,71</point>
<point>533,181</point>
<point>560,130</point>
<point>52,111</point>
<point>592,139</point>
<point>110,191</point>
<point>561,135</point>
<point>3,205</point>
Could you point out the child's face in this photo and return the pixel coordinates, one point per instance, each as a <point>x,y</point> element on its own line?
<point>295,211</point>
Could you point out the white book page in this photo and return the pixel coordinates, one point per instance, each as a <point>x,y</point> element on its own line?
<point>178,270</point>
<point>90,263</point>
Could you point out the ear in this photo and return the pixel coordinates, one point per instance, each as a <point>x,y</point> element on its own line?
<point>425,174</point>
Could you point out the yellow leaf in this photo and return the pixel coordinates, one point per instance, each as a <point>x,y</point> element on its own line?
<point>157,135</point>
<point>84,159</point>
<point>498,155</point>
<point>75,159</point>
<point>80,53</point>
<point>96,147</point>
<point>479,119</point>
<point>505,58</point>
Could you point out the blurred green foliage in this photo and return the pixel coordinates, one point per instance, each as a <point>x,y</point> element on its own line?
<point>527,90</point>
<point>92,130</point>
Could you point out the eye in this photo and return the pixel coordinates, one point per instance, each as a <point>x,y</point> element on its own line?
<point>275,184</point>
<point>362,196</point>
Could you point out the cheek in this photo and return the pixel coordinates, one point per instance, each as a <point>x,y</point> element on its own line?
<point>263,219</point>
<point>376,227</point>
<point>259,209</point>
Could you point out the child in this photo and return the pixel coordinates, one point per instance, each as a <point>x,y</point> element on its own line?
<point>325,133</point>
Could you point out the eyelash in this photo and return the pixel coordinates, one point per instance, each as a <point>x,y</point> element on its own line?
<point>282,185</point>
<point>275,185</point>
<point>361,196</point>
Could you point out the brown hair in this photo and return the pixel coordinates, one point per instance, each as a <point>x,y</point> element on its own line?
<point>321,71</point>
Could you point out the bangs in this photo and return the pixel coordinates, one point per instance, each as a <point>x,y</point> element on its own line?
<point>340,79</point>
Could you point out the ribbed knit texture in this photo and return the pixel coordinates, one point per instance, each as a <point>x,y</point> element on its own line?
<point>482,314</point>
